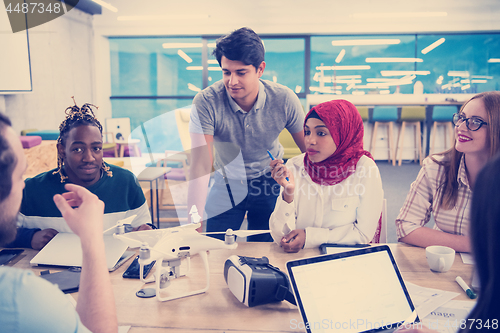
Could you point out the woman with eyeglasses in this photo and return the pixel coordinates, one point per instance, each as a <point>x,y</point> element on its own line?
<point>444,185</point>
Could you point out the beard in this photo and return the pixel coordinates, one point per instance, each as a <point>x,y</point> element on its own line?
<point>8,228</point>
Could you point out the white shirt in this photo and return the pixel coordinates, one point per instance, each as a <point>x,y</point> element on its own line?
<point>347,212</point>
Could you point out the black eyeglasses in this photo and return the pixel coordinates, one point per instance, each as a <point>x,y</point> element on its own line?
<point>472,123</point>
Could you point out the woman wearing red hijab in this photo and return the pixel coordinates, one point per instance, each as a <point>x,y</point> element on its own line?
<point>332,193</point>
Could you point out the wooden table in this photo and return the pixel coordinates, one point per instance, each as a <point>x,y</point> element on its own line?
<point>218,310</point>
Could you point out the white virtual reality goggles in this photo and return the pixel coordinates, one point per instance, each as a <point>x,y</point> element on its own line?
<point>253,281</point>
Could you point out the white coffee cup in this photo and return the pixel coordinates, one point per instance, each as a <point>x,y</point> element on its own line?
<point>440,258</point>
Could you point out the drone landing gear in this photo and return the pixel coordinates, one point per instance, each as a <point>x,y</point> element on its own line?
<point>146,293</point>
<point>166,275</point>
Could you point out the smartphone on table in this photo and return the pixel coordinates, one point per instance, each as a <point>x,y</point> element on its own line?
<point>132,271</point>
<point>6,255</point>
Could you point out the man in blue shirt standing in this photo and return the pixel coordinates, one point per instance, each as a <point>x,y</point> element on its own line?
<point>236,121</point>
<point>32,304</point>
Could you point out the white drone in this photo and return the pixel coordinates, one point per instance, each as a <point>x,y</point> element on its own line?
<point>169,246</point>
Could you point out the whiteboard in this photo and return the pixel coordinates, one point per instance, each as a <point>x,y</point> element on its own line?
<point>15,69</point>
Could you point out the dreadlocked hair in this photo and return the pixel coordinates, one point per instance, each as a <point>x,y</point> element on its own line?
<point>76,117</point>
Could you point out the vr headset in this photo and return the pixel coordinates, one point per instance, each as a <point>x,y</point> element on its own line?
<point>253,281</point>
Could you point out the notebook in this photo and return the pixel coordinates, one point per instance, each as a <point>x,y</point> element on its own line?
<point>65,250</point>
<point>355,291</point>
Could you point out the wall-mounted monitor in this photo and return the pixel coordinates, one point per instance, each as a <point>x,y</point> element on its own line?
<point>15,68</point>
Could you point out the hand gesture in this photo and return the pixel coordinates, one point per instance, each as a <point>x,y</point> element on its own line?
<point>82,210</point>
<point>280,173</point>
<point>42,237</point>
<point>142,227</point>
<point>294,241</point>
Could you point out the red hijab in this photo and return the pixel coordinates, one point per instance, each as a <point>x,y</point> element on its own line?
<point>346,127</point>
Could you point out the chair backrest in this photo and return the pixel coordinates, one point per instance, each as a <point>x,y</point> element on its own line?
<point>443,113</point>
<point>364,112</point>
<point>412,113</point>
<point>108,137</point>
<point>385,113</point>
<point>182,119</point>
<point>289,145</point>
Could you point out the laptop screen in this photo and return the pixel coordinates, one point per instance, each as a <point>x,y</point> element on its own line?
<point>355,291</point>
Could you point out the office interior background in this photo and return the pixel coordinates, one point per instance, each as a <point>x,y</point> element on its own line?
<point>144,59</point>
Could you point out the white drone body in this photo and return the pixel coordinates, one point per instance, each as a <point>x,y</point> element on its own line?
<point>169,246</point>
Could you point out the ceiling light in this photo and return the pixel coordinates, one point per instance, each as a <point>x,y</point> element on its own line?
<point>379,79</point>
<point>352,42</point>
<point>398,73</point>
<point>433,46</point>
<point>181,45</point>
<point>393,60</point>
<point>465,87</point>
<point>494,60</point>
<point>459,73</point>
<point>345,77</point>
<point>399,15</point>
<point>342,68</point>
<point>200,68</point>
<point>106,5</point>
<point>465,81</point>
<point>482,77</point>
<point>193,87</point>
<point>479,81</point>
<point>213,62</point>
<point>384,92</point>
<point>327,90</point>
<point>340,56</point>
<point>184,56</point>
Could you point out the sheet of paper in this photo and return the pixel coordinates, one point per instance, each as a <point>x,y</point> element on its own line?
<point>427,300</point>
<point>467,258</point>
<point>447,318</point>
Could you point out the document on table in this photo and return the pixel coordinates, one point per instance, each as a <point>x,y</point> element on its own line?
<point>448,317</point>
<point>427,300</point>
<point>467,258</point>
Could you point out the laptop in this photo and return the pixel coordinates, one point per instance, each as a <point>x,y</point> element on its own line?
<point>356,291</point>
<point>65,250</point>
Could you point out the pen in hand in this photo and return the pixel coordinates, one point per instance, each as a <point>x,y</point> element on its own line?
<point>272,158</point>
<point>290,240</point>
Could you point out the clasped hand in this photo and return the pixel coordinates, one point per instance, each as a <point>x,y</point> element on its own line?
<point>294,241</point>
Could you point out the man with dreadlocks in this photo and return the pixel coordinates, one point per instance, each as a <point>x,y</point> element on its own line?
<point>80,161</point>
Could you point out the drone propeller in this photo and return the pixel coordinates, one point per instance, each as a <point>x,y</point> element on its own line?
<point>121,222</point>
<point>130,242</point>
<point>239,233</point>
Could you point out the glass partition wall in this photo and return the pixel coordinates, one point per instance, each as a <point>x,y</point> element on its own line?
<point>151,76</point>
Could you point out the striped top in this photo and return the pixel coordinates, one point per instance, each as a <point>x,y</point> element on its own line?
<point>424,199</point>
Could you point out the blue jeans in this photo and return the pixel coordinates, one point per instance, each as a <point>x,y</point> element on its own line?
<point>255,197</point>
